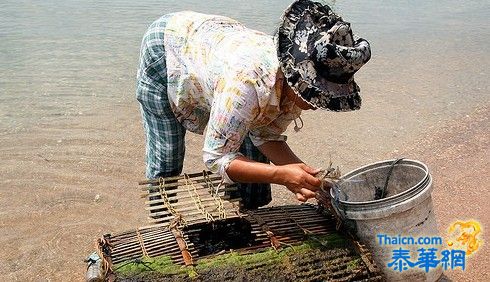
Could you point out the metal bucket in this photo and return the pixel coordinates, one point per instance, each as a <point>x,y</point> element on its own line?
<point>403,209</point>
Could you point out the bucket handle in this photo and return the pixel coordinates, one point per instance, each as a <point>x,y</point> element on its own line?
<point>333,205</point>
<point>379,193</point>
<point>340,215</point>
<point>336,200</point>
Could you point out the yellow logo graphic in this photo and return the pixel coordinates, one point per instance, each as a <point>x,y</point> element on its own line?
<point>469,235</point>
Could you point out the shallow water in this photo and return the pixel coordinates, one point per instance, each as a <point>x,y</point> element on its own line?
<point>62,58</point>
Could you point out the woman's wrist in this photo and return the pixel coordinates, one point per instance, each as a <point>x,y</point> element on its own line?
<point>277,174</point>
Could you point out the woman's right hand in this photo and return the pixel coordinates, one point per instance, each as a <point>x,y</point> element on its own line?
<point>299,179</point>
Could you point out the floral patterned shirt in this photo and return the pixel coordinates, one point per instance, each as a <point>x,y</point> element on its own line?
<point>222,75</point>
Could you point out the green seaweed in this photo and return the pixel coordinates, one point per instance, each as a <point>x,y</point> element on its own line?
<point>329,241</point>
<point>270,255</point>
<point>354,264</point>
<point>164,264</point>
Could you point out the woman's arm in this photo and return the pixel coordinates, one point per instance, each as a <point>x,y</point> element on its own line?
<point>279,153</point>
<point>297,177</point>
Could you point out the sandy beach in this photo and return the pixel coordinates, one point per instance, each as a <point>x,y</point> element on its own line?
<point>72,142</point>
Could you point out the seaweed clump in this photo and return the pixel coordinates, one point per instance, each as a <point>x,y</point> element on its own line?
<point>327,257</point>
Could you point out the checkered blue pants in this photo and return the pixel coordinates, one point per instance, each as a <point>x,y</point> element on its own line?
<point>165,136</point>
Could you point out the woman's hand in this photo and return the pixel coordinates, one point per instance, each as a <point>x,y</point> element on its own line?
<point>299,179</point>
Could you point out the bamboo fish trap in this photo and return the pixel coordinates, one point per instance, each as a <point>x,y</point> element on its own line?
<point>193,217</point>
<point>275,227</point>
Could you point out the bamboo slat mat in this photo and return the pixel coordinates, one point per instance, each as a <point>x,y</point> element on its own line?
<point>189,199</point>
<point>145,242</point>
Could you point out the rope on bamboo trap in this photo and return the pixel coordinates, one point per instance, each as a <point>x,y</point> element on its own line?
<point>195,197</point>
<point>142,244</point>
<point>214,193</point>
<point>167,204</point>
<point>104,249</point>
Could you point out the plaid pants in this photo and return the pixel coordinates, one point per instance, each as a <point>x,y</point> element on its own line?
<point>165,136</point>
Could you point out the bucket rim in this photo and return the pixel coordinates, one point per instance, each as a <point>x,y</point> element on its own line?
<point>387,199</point>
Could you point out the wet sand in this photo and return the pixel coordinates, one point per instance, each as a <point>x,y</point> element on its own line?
<point>459,158</point>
